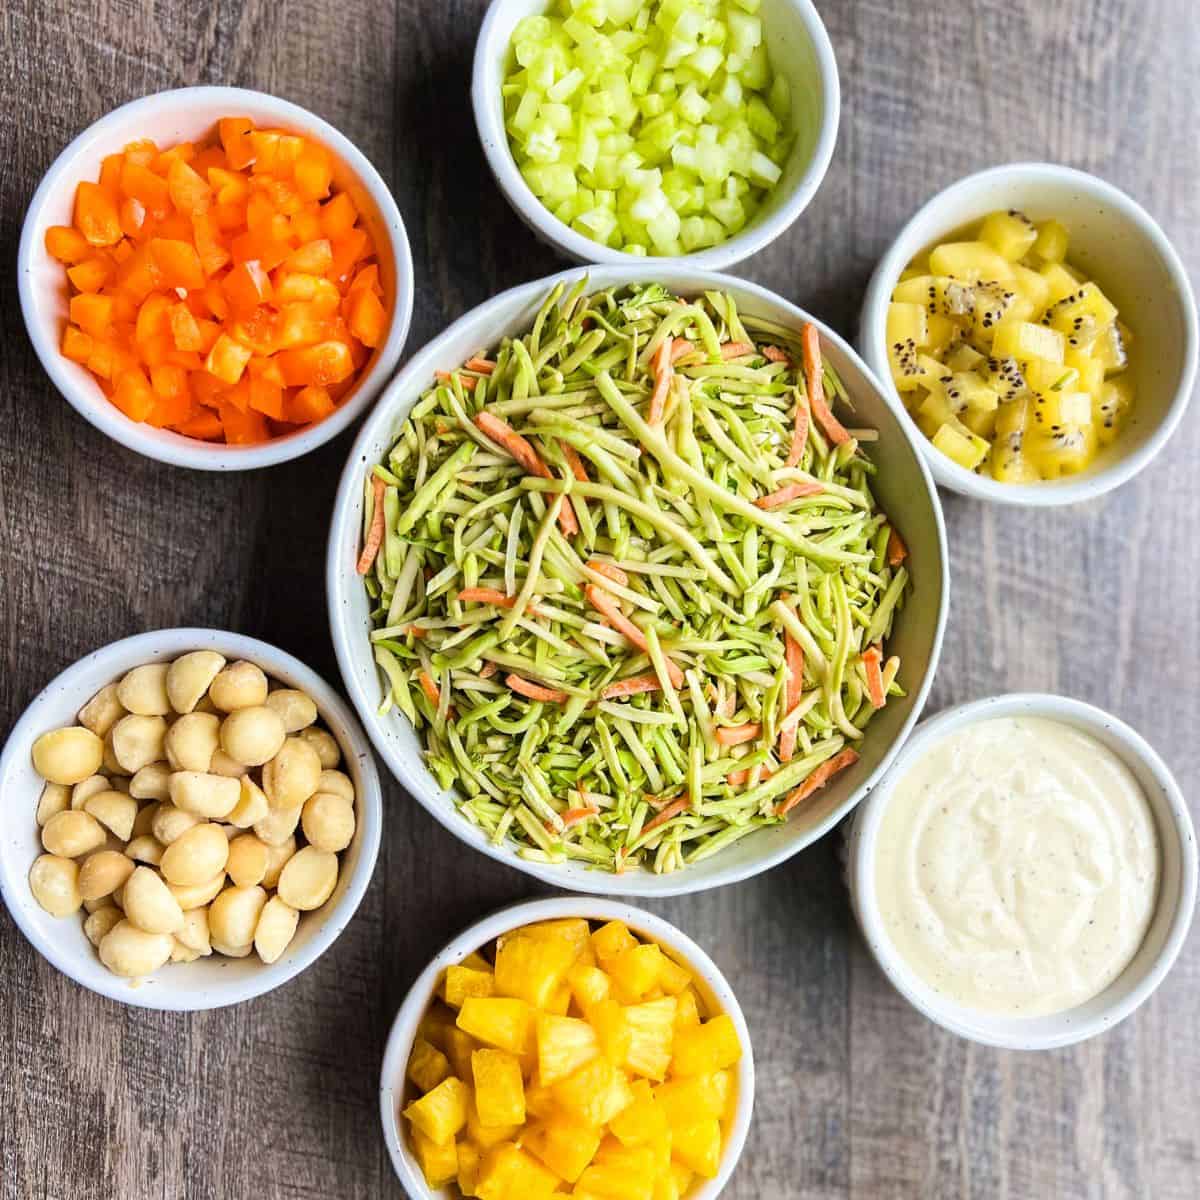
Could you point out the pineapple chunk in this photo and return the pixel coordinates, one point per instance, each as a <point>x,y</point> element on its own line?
<point>672,976</point>
<point>438,1163</point>
<point>459,1048</point>
<point>564,1044</point>
<point>1024,341</point>
<point>966,389</point>
<point>960,446</point>
<point>484,1137</point>
<point>651,1034</point>
<point>508,1173</point>
<point>645,1120</point>
<point>476,962</point>
<point>1009,233</point>
<point>665,1188</point>
<point>589,985</point>
<point>1033,288</point>
<point>539,1099</point>
<point>685,1101</point>
<point>502,1022</point>
<point>564,1144</point>
<point>1060,283</point>
<point>613,1034</point>
<point>635,971</point>
<point>427,1065</point>
<point>560,1000</point>
<point>907,323</point>
<point>609,940</point>
<point>1050,245</point>
<point>575,931</point>
<point>688,1011</point>
<point>468,1168</point>
<point>532,968</point>
<point>442,1112</point>
<point>596,1093</point>
<point>461,982</point>
<point>499,1089</point>
<point>912,371</point>
<point>707,1048</point>
<point>621,1173</point>
<point>970,261</point>
<point>434,1025</point>
<point>1082,316</point>
<point>698,1146</point>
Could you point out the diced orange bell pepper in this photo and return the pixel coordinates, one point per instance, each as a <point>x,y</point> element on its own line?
<point>183,152</point>
<point>209,332</point>
<point>133,394</point>
<point>140,183</point>
<point>96,215</point>
<point>110,175</point>
<point>306,224</point>
<point>246,287</point>
<point>231,187</point>
<point>206,389</point>
<point>313,172</point>
<point>266,388</point>
<point>170,382</point>
<point>157,350</point>
<point>178,263</point>
<point>142,152</point>
<point>132,215</point>
<point>227,359</point>
<point>347,250</point>
<point>185,331</point>
<point>92,313</point>
<point>325,363</point>
<point>259,330</point>
<point>213,255</point>
<point>214,299</point>
<point>308,405</point>
<point>262,217</point>
<point>282,196</point>
<point>366,316</point>
<point>66,244</point>
<point>76,345</point>
<point>313,258</point>
<point>153,318</point>
<point>267,251</point>
<point>338,216</point>
<point>242,428</point>
<point>189,192</point>
<point>171,413</point>
<point>302,324</point>
<point>205,425</point>
<point>138,275</point>
<point>234,132</point>
<point>368,277</point>
<point>91,274</point>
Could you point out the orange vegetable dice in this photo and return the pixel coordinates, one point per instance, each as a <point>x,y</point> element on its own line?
<point>313,171</point>
<point>302,324</point>
<point>142,152</point>
<point>366,316</point>
<point>266,389</point>
<point>91,274</point>
<point>96,215</point>
<point>212,252</point>
<point>367,277</point>
<point>133,394</point>
<point>140,183</point>
<point>306,224</point>
<point>338,216</point>
<point>92,313</point>
<point>242,428</point>
<point>324,363</point>
<point>189,192</point>
<point>205,426</point>
<point>185,332</point>
<point>347,250</point>
<point>110,175</point>
<point>132,215</point>
<point>246,287</point>
<point>76,345</point>
<point>231,187</point>
<point>153,317</point>
<point>177,262</point>
<point>314,258</point>
<point>66,244</point>
<point>268,252</point>
<point>227,359</point>
<point>233,132</point>
<point>308,405</point>
<point>138,275</point>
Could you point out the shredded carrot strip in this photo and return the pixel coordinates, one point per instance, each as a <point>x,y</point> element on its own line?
<point>375,533</point>
<point>534,691</point>
<point>488,669</point>
<point>429,688</point>
<point>875,691</point>
<point>799,433</point>
<point>484,366</point>
<point>817,780</point>
<point>574,462</point>
<point>483,595</point>
<point>522,450</point>
<point>609,570</point>
<point>681,348</point>
<point>662,382</point>
<point>738,778</point>
<point>573,816</point>
<point>794,658</point>
<point>607,606</point>
<point>774,354</point>
<point>897,551</point>
<point>468,381</point>
<point>735,735</point>
<point>786,495</point>
<point>736,349</point>
<point>678,805</point>
<point>416,631</point>
<point>631,686</point>
<point>814,378</point>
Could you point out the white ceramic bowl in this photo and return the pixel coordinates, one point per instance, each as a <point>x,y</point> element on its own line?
<point>215,981</point>
<point>1168,929</point>
<point>800,51</point>
<point>714,990</point>
<point>902,486</point>
<point>1118,244</point>
<point>168,118</point>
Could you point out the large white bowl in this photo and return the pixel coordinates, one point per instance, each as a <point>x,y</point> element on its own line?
<point>800,51</point>
<point>713,987</point>
<point>902,486</point>
<point>1168,928</point>
<point>1119,245</point>
<point>188,114</point>
<point>208,982</point>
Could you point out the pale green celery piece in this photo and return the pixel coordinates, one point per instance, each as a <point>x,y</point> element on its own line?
<point>713,582</point>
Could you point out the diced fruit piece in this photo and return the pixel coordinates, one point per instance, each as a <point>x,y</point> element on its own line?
<point>499,1089</point>
<point>1081,316</point>
<point>1110,349</point>
<point>367,317</point>
<point>589,985</point>
<point>613,1034</point>
<point>502,1022</point>
<point>971,261</point>
<point>484,1137</point>
<point>509,1173</point>
<point>698,1146</point>
<point>688,1010</point>
<point>438,1162</point>
<point>1050,244</point>
<point>459,1046</point>
<point>323,364</point>
<point>906,323</point>
<point>629,1178</point>
<point>644,1120</point>
<point>672,977</point>
<point>469,1159</point>
<point>564,1044</point>
<point>1023,340</point>
<point>227,359</point>
<point>442,1112</point>
<point>707,1048</point>
<point>685,1101</point>
<point>1110,408</point>
<point>532,968</point>
<point>609,940</point>
<point>652,1032</point>
<point>564,1144</point>
<point>636,970</point>
<point>1010,234</point>
<point>596,1092</point>
<point>960,446</point>
<point>427,1065</point>
<point>463,981</point>
<point>1060,283</point>
<point>435,1024</point>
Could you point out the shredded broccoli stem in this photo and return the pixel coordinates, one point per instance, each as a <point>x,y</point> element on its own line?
<point>672,576</point>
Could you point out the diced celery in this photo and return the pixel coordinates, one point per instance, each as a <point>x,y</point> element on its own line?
<point>780,98</point>
<point>706,61</point>
<point>652,105</point>
<point>761,119</point>
<point>597,223</point>
<point>634,248</point>
<point>542,144</point>
<point>756,73</point>
<point>745,33</point>
<point>566,86</point>
<point>762,170</point>
<point>557,116</point>
<point>589,148</point>
<point>691,105</point>
<point>526,113</point>
<point>730,213</point>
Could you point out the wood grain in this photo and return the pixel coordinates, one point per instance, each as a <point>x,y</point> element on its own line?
<point>858,1096</point>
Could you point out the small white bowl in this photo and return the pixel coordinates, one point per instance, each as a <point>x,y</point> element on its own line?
<point>215,981</point>
<point>1118,244</point>
<point>902,486</point>
<point>188,114</point>
<point>1168,928</point>
<point>800,51</point>
<point>713,987</point>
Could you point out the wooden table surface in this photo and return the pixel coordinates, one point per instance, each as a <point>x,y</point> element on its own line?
<point>858,1096</point>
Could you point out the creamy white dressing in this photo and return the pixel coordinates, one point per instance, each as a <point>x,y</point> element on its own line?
<point>1017,866</point>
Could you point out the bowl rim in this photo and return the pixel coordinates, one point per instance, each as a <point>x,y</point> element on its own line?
<point>753,238</point>
<point>593,908</point>
<point>412,378</point>
<point>137,649</point>
<point>175,449</point>
<point>1047,494</point>
<point>979,1026</point>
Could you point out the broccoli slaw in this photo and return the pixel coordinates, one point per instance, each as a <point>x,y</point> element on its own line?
<point>629,580</point>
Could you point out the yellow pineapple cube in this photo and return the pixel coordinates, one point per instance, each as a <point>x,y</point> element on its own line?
<point>476,962</point>
<point>1024,340</point>
<point>564,1044</point>
<point>706,1048</point>
<point>672,977</point>
<point>589,985</point>
<point>1009,233</point>
<point>609,940</point>
<point>560,1000</point>
<point>970,261</point>
<point>459,1048</point>
<point>1060,283</point>
<point>596,1093</point>
<point>462,982</point>
<point>687,1010</point>
<point>665,1188</point>
<point>645,1120</point>
<point>427,1065</point>
<point>438,1163</point>
<point>484,1137</point>
<point>468,1167</point>
<point>499,1021</point>
<point>531,968</point>
<point>635,971</point>
<point>651,1034</point>
<point>499,1088</point>
<point>613,1181</point>
<point>685,1101</point>
<point>612,1030</point>
<point>683,1178</point>
<point>575,931</point>
<point>539,1099</point>
<point>509,1173</point>
<point>564,1144</point>
<point>698,1146</point>
<point>441,1113</point>
<point>435,1023</point>
<point>1051,242</point>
